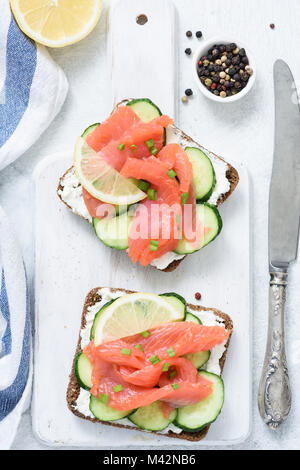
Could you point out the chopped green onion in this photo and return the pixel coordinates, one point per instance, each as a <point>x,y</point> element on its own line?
<point>154,151</point>
<point>172,375</point>
<point>171,352</point>
<point>150,143</point>
<point>152,247</point>
<point>178,218</point>
<point>125,351</point>
<point>166,366</point>
<point>118,388</point>
<point>152,194</point>
<point>146,334</point>
<point>138,346</point>
<point>154,360</point>
<point>184,198</point>
<point>143,185</point>
<point>104,398</point>
<point>133,148</point>
<point>171,173</point>
<point>121,147</point>
<point>175,386</point>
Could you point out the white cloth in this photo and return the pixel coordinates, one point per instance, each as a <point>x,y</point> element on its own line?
<point>32,89</point>
<point>15,340</point>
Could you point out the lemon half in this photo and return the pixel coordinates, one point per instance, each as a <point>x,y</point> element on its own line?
<point>56,23</point>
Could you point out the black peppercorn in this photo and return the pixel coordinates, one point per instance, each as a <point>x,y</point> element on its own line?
<point>242,52</point>
<point>231,71</point>
<point>236,76</point>
<point>199,34</point>
<point>245,60</point>
<point>188,92</point>
<point>189,34</point>
<point>188,51</point>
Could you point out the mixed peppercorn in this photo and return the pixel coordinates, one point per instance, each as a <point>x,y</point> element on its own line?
<point>224,70</point>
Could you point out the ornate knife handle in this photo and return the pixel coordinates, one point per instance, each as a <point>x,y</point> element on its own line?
<point>274,396</point>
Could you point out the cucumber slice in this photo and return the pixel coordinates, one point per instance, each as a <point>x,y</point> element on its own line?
<point>193,318</point>
<point>97,317</point>
<point>151,417</point>
<point>209,217</point>
<point>114,232</point>
<point>204,177</point>
<point>195,417</point>
<point>83,371</point>
<point>145,109</point>
<point>104,412</point>
<point>89,130</point>
<point>177,301</point>
<point>199,358</point>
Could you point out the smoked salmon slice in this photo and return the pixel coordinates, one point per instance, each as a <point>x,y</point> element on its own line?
<point>177,159</point>
<point>142,382</point>
<point>112,128</point>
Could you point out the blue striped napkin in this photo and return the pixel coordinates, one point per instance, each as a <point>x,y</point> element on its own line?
<point>15,335</point>
<point>32,89</point>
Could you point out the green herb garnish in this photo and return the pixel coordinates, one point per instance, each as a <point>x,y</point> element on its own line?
<point>121,147</point>
<point>171,173</point>
<point>154,360</point>
<point>150,143</point>
<point>184,198</point>
<point>146,334</point>
<point>171,352</point>
<point>118,388</point>
<point>143,185</point>
<point>126,352</point>
<point>152,194</point>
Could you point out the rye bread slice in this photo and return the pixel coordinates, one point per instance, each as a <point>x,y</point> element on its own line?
<point>73,389</point>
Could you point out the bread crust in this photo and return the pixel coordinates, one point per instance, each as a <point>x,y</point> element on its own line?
<point>231,174</point>
<point>73,389</point>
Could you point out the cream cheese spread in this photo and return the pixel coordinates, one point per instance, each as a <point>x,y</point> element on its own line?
<point>207,317</point>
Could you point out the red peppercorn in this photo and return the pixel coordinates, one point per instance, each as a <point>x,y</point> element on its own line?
<point>213,86</point>
<point>272,26</point>
<point>224,88</point>
<point>198,296</point>
<point>200,62</point>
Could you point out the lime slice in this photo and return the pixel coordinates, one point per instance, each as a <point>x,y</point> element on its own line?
<point>134,313</point>
<point>101,180</point>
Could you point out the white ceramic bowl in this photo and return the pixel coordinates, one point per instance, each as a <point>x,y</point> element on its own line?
<point>202,50</point>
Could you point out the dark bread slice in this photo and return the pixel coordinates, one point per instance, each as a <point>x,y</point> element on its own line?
<point>73,389</point>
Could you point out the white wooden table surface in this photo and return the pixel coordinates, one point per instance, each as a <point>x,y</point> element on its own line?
<point>240,131</point>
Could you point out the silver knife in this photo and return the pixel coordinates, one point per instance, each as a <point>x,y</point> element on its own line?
<point>274,396</point>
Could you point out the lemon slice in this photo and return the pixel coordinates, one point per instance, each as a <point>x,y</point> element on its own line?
<point>101,180</point>
<point>132,314</point>
<point>56,23</point>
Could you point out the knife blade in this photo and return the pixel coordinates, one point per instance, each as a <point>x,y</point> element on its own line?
<point>284,198</point>
<point>274,395</point>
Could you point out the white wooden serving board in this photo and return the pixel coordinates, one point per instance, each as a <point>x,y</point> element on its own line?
<point>70,260</point>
